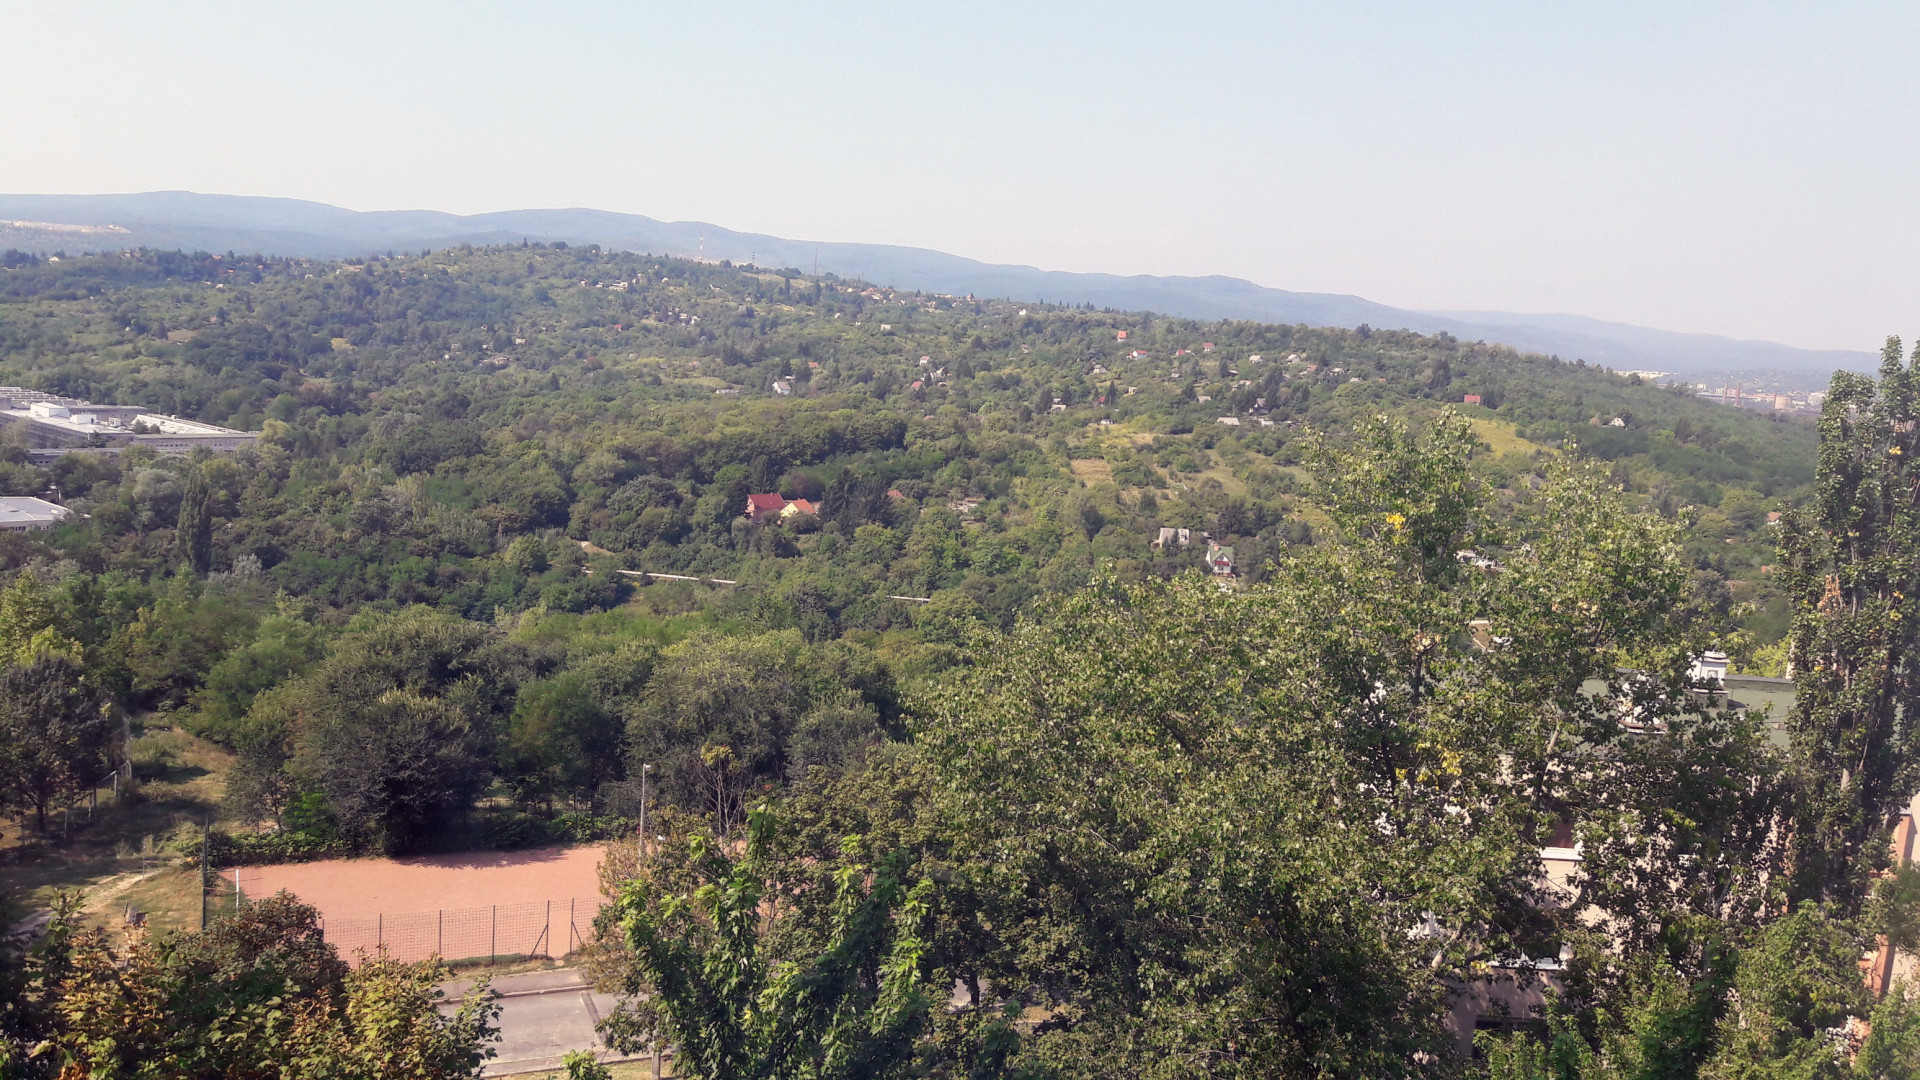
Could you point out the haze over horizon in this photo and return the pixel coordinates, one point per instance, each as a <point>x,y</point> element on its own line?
<point>1723,169</point>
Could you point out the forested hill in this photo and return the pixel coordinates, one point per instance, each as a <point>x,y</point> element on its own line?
<point>297,228</point>
<point>448,428</point>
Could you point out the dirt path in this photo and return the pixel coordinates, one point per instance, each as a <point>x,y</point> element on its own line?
<point>96,902</point>
<point>99,896</point>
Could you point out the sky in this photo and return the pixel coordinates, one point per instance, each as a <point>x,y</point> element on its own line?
<point>1748,169</point>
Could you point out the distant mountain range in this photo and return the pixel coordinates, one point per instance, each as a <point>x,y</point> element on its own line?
<point>181,219</point>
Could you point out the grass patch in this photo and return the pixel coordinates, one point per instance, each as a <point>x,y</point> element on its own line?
<point>1091,471</point>
<point>170,898</point>
<point>631,1070</point>
<point>1217,469</point>
<point>178,787</point>
<point>1502,436</point>
<point>640,619</point>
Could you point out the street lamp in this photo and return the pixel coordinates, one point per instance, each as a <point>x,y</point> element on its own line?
<point>640,846</point>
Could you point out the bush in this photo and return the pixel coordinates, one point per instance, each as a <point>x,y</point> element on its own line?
<point>584,828</point>
<point>152,755</point>
<point>245,849</point>
<point>508,830</point>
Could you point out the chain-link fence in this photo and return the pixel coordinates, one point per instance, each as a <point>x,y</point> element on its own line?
<point>497,933</point>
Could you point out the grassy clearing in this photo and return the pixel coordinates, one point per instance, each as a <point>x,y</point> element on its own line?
<point>1502,436</point>
<point>1091,471</point>
<point>1217,469</point>
<point>661,612</point>
<point>123,856</point>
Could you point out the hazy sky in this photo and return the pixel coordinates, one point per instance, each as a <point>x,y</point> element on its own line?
<point>1748,169</point>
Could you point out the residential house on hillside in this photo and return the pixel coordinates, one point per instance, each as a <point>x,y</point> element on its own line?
<point>764,506</point>
<point>1219,560</point>
<point>772,506</point>
<point>1174,537</point>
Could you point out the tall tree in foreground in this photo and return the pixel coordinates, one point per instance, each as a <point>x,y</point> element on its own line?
<point>844,997</point>
<point>1771,986</point>
<point>256,996</point>
<point>1852,565</point>
<point>1256,834</point>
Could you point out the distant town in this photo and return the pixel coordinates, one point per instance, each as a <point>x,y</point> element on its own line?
<point>1761,391</point>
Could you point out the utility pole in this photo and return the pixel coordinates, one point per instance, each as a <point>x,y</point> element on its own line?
<point>640,849</point>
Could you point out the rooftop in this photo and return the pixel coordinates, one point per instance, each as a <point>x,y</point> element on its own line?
<point>54,422</point>
<point>17,512</point>
<point>86,419</point>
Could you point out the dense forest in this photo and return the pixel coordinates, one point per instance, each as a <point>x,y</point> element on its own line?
<point>965,717</point>
<point>422,414</point>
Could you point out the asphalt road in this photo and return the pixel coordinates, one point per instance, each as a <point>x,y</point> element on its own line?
<point>543,1014</point>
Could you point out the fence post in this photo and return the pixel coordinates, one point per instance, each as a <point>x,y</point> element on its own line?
<point>573,929</point>
<point>379,929</point>
<point>493,937</point>
<point>206,830</point>
<point>440,934</point>
<point>547,934</point>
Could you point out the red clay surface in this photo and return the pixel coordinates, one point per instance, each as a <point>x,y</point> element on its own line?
<point>353,888</point>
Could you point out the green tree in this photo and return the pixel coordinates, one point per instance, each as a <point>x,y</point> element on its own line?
<point>1795,988</point>
<point>56,737</point>
<point>33,621</point>
<point>193,533</point>
<point>395,727</point>
<point>582,1065</point>
<point>283,646</point>
<point>168,648</point>
<point>1227,808</point>
<point>561,741</point>
<point>256,996</point>
<point>724,715</point>
<point>739,999</point>
<point>1852,566</point>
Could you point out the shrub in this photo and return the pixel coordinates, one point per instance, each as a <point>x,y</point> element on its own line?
<point>246,849</point>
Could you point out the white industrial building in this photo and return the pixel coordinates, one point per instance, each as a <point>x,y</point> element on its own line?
<point>48,422</point>
<point>17,514</point>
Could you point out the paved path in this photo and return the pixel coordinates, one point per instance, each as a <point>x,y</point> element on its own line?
<point>543,1014</point>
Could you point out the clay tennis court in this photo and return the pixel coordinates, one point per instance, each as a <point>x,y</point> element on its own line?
<point>531,903</point>
<point>351,888</point>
